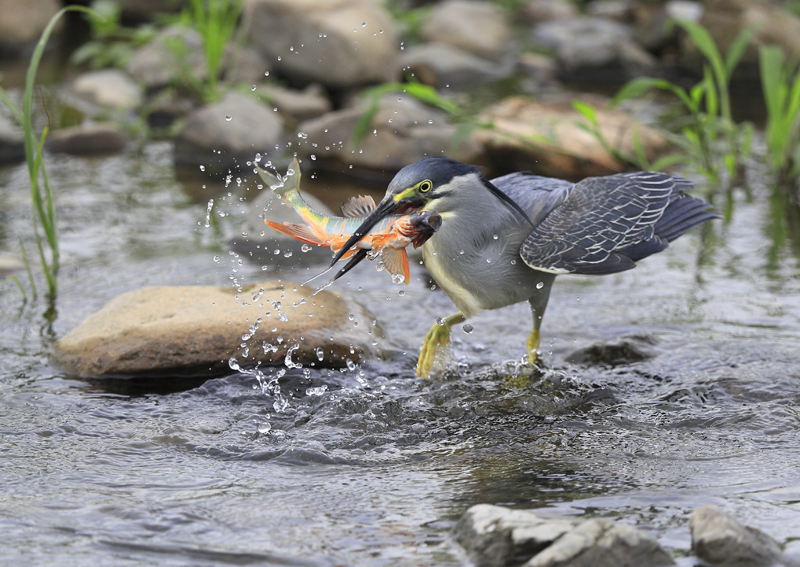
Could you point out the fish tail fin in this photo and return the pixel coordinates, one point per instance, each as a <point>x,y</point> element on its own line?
<point>297,231</point>
<point>283,186</point>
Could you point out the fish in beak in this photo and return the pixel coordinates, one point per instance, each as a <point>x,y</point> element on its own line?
<point>386,207</point>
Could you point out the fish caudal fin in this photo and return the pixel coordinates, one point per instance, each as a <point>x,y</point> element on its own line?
<point>297,231</point>
<point>282,186</point>
<point>396,262</point>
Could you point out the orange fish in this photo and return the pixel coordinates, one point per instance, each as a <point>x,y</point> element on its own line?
<point>387,239</point>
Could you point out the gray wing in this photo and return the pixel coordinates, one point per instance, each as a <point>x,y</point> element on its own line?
<point>605,224</point>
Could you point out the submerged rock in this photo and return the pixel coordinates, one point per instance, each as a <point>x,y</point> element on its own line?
<point>623,351</point>
<point>721,540</point>
<point>546,138</point>
<point>339,43</point>
<point>236,128</point>
<point>499,537</point>
<point>86,139</point>
<point>197,329</point>
<point>474,26</point>
<point>109,87</point>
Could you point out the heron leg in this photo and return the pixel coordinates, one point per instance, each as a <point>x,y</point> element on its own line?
<point>438,336</point>
<point>538,305</point>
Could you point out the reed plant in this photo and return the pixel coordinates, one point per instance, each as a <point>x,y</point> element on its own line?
<point>780,84</point>
<point>215,20</point>
<point>44,217</point>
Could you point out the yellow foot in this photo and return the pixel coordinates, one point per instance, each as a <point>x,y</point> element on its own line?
<point>533,346</point>
<point>437,337</point>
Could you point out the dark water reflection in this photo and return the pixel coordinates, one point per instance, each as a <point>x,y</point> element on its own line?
<point>372,466</point>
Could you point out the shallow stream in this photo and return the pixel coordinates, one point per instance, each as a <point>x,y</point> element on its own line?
<point>372,466</point>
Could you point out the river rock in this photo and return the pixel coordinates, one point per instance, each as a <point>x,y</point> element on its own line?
<point>545,138</point>
<point>721,540</point>
<point>626,350</point>
<point>309,103</point>
<point>86,139</point>
<point>441,65</point>
<point>474,26</point>
<point>601,543</point>
<point>339,43</point>
<point>537,11</point>
<point>23,21</point>
<point>495,536</point>
<point>12,142</point>
<point>252,128</point>
<point>586,43</point>
<point>164,330</point>
<point>400,133</point>
<point>174,52</point>
<point>109,87</point>
<point>244,65</point>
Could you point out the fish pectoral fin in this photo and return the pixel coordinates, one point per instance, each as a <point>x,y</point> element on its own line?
<point>357,207</point>
<point>297,231</point>
<point>396,262</point>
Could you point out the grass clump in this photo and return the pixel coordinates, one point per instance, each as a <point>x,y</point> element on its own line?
<point>780,84</point>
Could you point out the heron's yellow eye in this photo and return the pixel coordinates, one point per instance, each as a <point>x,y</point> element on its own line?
<point>425,186</point>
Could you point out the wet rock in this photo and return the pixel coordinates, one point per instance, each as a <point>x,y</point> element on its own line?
<point>175,52</point>
<point>477,27</point>
<point>537,11</point>
<point>244,65</point>
<point>583,44</point>
<point>309,103</point>
<point>163,330</point>
<point>544,137</point>
<point>109,87</point>
<point>624,351</point>
<point>440,65</point>
<point>252,128</point>
<point>719,539</point>
<point>495,536</point>
<point>86,139</point>
<point>601,543</point>
<point>23,21</point>
<point>400,133</point>
<point>12,142</point>
<point>325,41</point>
<point>166,107</point>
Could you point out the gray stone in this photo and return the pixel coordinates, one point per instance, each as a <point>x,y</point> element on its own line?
<point>325,41</point>
<point>601,543</point>
<point>244,65</point>
<point>476,27</point>
<point>618,10</point>
<point>537,11</point>
<point>109,87</point>
<point>545,137</point>
<point>23,21</point>
<point>541,68</point>
<point>309,103</point>
<point>252,128</point>
<point>440,65</point>
<point>583,43</point>
<point>721,540</point>
<point>12,142</point>
<point>86,139</point>
<point>400,133</point>
<point>163,330</point>
<point>176,51</point>
<point>495,536</point>
<point>626,350</point>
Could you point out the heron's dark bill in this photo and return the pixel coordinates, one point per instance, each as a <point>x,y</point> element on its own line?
<point>384,209</point>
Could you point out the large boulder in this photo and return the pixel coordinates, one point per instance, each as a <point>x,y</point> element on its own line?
<point>547,138</point>
<point>297,105</point>
<point>197,329</point>
<point>226,133</point>
<point>173,54</point>
<point>477,27</point>
<point>109,87</point>
<point>88,139</point>
<point>720,539</point>
<point>23,21</point>
<point>339,43</point>
<point>401,132</point>
<point>441,65</point>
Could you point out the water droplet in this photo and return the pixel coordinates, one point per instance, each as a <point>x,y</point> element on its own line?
<point>363,24</point>
<point>540,285</point>
<point>401,293</point>
<point>283,317</point>
<point>320,354</point>
<point>279,57</point>
<point>305,248</point>
<point>513,262</point>
<point>202,168</point>
<point>467,329</point>
<point>495,236</point>
<point>228,117</point>
<point>217,259</point>
<point>318,391</point>
<point>287,254</point>
<point>350,364</point>
<point>440,321</point>
<point>430,121</point>
<point>253,88</point>
<point>266,73</point>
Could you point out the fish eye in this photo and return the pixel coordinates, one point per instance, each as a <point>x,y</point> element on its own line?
<point>425,186</point>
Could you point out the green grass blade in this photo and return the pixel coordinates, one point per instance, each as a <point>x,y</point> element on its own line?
<point>15,279</point>
<point>737,49</point>
<point>13,108</point>
<point>27,267</point>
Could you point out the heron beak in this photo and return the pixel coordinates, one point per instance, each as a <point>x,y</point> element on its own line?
<point>385,208</point>
<point>503,197</point>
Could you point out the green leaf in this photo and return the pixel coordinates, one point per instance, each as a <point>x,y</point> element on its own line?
<point>635,88</point>
<point>586,110</point>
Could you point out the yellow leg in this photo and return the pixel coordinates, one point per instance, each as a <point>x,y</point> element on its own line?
<point>438,336</point>
<point>533,346</point>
